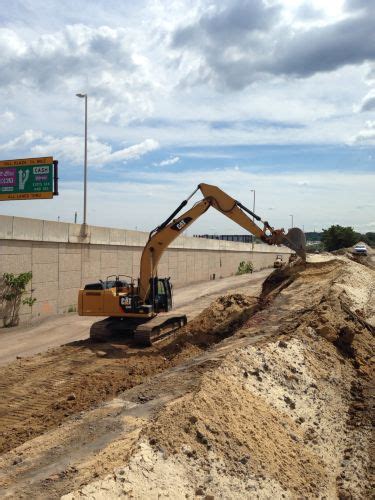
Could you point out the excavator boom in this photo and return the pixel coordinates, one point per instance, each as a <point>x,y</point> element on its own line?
<point>166,233</point>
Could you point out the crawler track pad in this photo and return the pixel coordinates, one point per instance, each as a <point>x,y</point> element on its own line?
<point>111,328</point>
<point>158,328</point>
<point>142,333</point>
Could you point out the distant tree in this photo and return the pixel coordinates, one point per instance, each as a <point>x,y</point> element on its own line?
<point>369,238</point>
<point>337,237</point>
<point>313,236</point>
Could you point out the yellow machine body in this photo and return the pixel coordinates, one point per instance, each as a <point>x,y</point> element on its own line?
<point>106,303</point>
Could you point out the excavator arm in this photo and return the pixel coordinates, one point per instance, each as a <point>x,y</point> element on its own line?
<point>161,237</point>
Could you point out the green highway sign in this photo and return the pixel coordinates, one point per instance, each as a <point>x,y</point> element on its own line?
<point>27,179</point>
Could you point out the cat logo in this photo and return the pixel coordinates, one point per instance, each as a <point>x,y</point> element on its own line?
<point>126,301</point>
<point>178,226</point>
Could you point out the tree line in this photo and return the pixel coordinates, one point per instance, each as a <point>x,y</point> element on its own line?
<point>336,237</point>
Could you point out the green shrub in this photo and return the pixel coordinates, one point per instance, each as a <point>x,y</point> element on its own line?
<point>244,267</point>
<point>14,286</point>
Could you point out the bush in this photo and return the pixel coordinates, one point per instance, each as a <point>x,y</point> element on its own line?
<point>14,288</point>
<point>244,268</point>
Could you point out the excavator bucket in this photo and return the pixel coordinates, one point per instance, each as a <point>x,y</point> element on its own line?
<point>296,241</point>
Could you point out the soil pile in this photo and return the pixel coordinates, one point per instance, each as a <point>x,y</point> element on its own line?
<point>283,417</point>
<point>365,260</point>
<point>40,392</point>
<point>219,320</point>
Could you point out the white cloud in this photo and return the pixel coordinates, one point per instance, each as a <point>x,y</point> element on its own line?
<point>366,135</point>
<point>102,61</point>
<point>206,155</point>
<point>22,140</point>
<point>124,61</point>
<point>134,152</point>
<point>71,149</point>
<point>170,161</point>
<point>7,116</point>
<point>11,44</point>
<point>237,44</point>
<point>368,102</point>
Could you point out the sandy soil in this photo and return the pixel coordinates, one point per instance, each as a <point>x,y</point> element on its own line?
<point>40,392</point>
<point>256,399</point>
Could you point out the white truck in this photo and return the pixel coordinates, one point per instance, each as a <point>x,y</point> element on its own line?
<point>359,249</point>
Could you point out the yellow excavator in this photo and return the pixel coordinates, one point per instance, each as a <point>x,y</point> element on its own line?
<point>143,306</point>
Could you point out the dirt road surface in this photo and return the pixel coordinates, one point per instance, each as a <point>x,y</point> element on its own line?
<point>59,330</point>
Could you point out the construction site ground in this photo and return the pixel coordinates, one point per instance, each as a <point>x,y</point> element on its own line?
<point>54,331</point>
<point>263,394</point>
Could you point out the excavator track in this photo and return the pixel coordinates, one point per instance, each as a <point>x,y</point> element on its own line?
<point>158,328</point>
<point>144,333</point>
<point>108,328</point>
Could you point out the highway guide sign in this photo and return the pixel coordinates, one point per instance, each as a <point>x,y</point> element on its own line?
<point>28,178</point>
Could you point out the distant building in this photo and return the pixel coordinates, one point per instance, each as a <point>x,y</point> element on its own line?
<point>242,238</point>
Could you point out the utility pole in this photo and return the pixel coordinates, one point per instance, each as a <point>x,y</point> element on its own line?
<point>291,215</point>
<point>252,236</point>
<point>85,163</point>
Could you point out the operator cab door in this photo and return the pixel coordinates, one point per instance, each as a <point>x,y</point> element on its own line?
<point>164,295</point>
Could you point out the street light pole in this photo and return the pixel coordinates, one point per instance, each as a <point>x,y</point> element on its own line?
<point>291,215</point>
<point>253,191</point>
<point>252,236</point>
<point>85,162</point>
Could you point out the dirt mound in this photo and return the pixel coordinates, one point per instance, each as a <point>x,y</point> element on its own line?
<point>40,392</point>
<point>365,260</point>
<point>226,424</point>
<point>281,409</point>
<point>287,417</point>
<point>220,319</point>
<point>263,415</point>
<point>281,278</point>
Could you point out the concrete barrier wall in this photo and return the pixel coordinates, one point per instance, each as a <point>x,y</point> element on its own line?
<point>63,257</point>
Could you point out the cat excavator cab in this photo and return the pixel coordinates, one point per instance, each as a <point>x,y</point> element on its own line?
<point>144,305</point>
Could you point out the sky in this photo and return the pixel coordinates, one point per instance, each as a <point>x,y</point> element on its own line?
<point>276,96</point>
